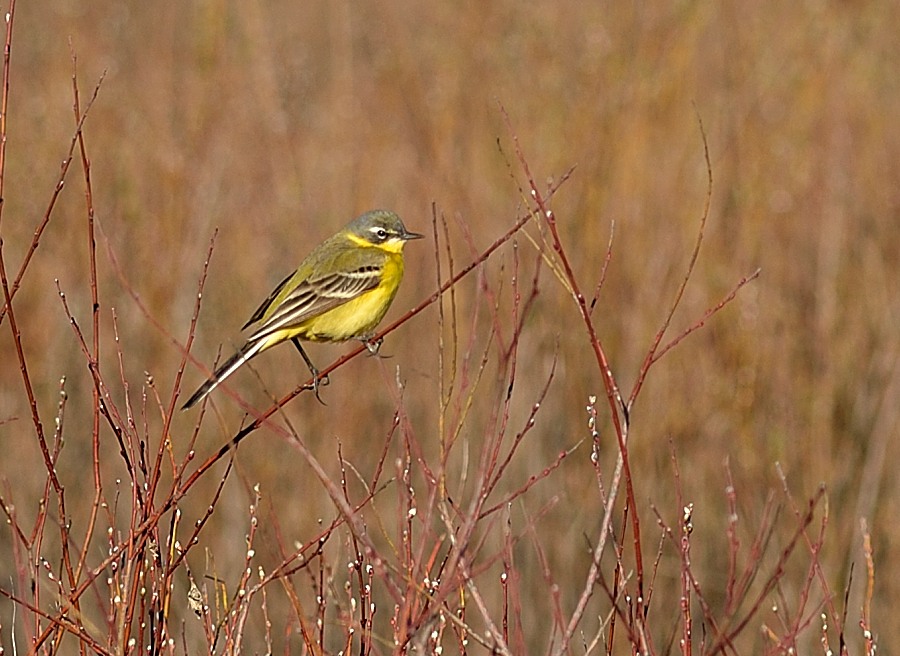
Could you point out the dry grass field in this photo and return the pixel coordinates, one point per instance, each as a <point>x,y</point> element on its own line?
<point>480,488</point>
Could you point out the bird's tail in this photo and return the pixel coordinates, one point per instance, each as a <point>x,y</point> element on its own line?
<point>225,370</point>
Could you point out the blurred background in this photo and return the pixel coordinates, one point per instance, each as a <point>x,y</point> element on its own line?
<point>275,123</point>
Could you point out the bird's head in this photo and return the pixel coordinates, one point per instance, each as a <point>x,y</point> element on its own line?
<point>383,229</point>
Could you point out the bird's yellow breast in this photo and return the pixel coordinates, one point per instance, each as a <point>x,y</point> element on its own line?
<point>359,317</point>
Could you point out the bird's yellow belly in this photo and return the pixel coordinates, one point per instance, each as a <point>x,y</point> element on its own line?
<point>356,318</point>
<point>359,317</point>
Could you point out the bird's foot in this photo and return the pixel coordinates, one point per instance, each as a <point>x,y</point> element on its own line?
<point>372,345</point>
<point>318,381</point>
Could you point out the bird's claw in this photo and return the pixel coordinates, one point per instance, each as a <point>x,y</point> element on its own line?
<point>317,382</point>
<point>372,345</point>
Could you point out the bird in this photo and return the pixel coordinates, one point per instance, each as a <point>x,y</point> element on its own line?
<point>340,291</point>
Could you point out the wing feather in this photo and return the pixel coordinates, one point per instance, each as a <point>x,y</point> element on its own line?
<point>314,297</point>
<point>261,310</point>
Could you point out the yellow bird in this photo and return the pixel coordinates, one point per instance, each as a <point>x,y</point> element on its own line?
<point>340,291</point>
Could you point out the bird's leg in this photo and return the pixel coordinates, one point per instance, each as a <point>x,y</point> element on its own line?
<point>317,379</point>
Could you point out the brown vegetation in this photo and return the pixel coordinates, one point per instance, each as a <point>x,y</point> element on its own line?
<point>606,435</point>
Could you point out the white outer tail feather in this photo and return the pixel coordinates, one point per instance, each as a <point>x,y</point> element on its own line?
<point>227,368</point>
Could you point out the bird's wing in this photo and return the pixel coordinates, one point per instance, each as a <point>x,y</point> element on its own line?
<point>314,297</point>
<point>261,310</point>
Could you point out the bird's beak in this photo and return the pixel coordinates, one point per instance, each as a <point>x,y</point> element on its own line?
<point>407,235</point>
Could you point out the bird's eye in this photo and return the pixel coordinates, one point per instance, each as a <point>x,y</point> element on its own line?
<point>381,233</point>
